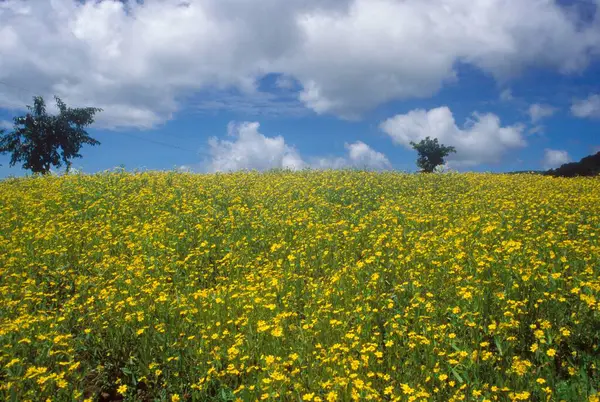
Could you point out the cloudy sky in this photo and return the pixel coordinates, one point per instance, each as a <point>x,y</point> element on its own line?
<point>217,85</point>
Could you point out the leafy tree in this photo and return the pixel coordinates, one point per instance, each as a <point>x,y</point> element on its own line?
<point>40,140</point>
<point>431,153</point>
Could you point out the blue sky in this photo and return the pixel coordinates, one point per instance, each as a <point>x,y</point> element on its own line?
<point>233,84</point>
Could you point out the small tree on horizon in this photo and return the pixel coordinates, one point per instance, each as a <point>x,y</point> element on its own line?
<point>431,153</point>
<point>41,141</point>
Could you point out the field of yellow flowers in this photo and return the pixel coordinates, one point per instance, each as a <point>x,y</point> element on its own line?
<point>307,286</point>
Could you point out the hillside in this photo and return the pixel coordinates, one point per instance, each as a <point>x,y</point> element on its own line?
<point>309,286</point>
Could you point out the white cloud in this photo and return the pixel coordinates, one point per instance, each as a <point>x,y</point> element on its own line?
<point>537,129</point>
<point>249,149</point>
<point>390,49</point>
<point>538,112</point>
<point>506,95</point>
<point>6,124</point>
<point>481,140</point>
<point>141,60</point>
<point>285,82</point>
<point>360,156</point>
<point>554,158</point>
<point>589,107</point>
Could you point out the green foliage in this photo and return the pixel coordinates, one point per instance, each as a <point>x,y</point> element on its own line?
<point>41,141</point>
<point>431,153</point>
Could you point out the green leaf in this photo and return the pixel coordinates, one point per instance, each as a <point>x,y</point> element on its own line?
<point>498,346</point>
<point>457,376</point>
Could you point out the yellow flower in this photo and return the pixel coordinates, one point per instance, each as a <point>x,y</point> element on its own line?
<point>122,389</point>
<point>201,262</point>
<point>358,383</point>
<point>175,398</point>
<point>232,352</point>
<point>522,396</point>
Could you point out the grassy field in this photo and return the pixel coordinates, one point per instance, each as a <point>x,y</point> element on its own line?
<point>310,286</point>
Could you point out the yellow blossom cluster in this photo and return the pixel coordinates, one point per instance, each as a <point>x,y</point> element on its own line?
<point>306,286</point>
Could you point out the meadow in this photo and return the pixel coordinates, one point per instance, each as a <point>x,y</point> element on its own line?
<point>306,286</point>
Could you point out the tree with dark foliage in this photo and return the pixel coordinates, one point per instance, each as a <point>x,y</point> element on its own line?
<point>40,140</point>
<point>588,166</point>
<point>431,153</point>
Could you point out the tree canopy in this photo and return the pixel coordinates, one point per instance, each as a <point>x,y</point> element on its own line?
<point>40,140</point>
<point>431,153</point>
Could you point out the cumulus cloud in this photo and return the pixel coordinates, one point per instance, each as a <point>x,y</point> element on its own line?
<point>554,158</point>
<point>140,61</point>
<point>589,107</point>
<point>481,140</point>
<point>360,156</point>
<point>538,112</point>
<point>400,49</point>
<point>249,149</point>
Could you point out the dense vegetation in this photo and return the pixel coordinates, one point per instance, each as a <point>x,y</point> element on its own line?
<point>41,141</point>
<point>431,154</point>
<point>588,166</point>
<point>313,286</point>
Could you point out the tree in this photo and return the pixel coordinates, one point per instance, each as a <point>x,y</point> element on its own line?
<point>41,141</point>
<point>431,153</point>
<point>588,166</point>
